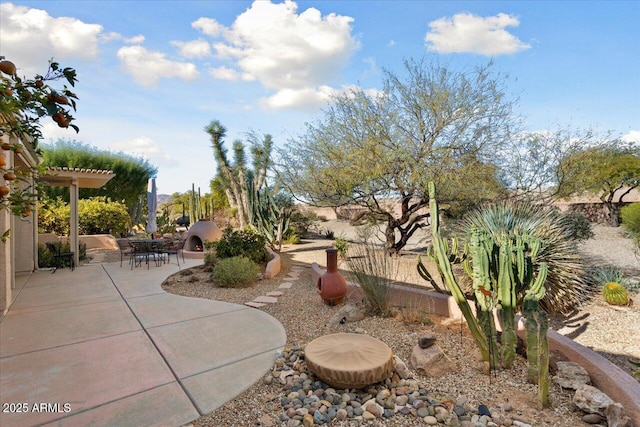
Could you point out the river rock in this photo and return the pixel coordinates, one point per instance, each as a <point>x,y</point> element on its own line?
<point>571,375</point>
<point>430,361</point>
<point>401,368</point>
<point>350,313</point>
<point>591,400</point>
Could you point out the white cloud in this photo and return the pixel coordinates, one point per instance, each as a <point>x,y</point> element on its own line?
<point>310,98</point>
<point>193,49</point>
<point>147,67</point>
<point>110,36</point>
<point>51,131</point>
<point>30,37</point>
<point>467,33</point>
<point>632,136</point>
<point>224,73</point>
<point>290,53</point>
<point>143,147</point>
<point>208,26</point>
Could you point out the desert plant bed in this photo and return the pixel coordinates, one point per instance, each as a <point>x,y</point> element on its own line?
<point>505,393</point>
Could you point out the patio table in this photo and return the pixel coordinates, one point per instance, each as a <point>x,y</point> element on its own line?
<point>143,249</point>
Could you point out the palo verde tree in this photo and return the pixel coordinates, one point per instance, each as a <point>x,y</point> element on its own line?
<point>129,186</point>
<point>379,151</point>
<point>610,170</point>
<point>236,178</point>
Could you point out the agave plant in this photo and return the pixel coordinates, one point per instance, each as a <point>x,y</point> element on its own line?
<point>567,283</point>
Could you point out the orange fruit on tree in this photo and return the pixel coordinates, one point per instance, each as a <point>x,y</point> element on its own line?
<point>5,146</point>
<point>9,176</point>
<point>4,190</point>
<point>39,83</point>
<point>3,162</point>
<point>8,67</point>
<point>62,100</point>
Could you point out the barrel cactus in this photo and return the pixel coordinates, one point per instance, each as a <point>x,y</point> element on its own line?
<point>615,294</point>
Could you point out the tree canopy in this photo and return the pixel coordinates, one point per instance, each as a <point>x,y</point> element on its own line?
<point>610,170</point>
<point>128,186</point>
<point>380,150</point>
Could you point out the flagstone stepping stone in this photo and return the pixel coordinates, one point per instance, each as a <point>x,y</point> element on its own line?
<point>268,300</point>
<point>290,279</point>
<point>285,285</point>
<point>254,304</point>
<point>274,293</point>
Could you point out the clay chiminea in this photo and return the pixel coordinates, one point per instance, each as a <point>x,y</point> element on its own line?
<point>332,286</point>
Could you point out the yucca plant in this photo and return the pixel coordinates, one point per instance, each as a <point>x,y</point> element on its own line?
<point>567,283</point>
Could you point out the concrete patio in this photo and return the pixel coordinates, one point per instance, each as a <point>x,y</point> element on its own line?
<point>105,346</point>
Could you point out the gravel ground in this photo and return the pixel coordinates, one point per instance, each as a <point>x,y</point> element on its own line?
<point>305,317</point>
<point>611,331</point>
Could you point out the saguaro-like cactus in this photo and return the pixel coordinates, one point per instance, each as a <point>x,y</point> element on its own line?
<point>443,262</point>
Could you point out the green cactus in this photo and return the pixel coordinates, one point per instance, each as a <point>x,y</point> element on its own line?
<point>442,259</point>
<point>270,220</point>
<point>615,293</point>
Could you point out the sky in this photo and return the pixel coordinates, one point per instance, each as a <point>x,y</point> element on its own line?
<point>153,74</point>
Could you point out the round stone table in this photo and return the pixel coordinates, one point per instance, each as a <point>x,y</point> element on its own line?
<point>349,360</point>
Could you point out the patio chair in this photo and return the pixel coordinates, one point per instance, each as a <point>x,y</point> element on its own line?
<point>59,256</point>
<point>172,248</point>
<point>125,249</point>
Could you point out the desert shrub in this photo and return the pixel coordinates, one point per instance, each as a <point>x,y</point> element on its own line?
<point>630,215</point>
<point>46,258</point>
<point>375,272</point>
<point>567,283</point>
<point>235,272</point>
<point>342,246</point>
<point>299,224</point>
<point>99,215</point>
<point>291,239</point>
<point>95,216</point>
<point>54,217</point>
<point>210,259</point>
<point>579,227</point>
<point>245,243</point>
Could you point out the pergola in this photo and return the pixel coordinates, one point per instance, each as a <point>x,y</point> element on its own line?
<point>75,178</point>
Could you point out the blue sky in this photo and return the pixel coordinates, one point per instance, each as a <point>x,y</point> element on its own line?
<point>153,74</point>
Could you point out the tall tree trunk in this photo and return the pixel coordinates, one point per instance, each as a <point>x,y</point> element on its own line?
<point>614,213</point>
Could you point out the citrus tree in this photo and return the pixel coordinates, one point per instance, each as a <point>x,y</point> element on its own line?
<point>24,104</point>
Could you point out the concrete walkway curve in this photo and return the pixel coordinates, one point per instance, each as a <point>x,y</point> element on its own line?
<point>106,346</point>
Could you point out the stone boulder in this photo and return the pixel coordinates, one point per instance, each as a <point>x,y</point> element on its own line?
<point>571,375</point>
<point>348,313</point>
<point>430,361</point>
<point>591,400</point>
<point>401,368</point>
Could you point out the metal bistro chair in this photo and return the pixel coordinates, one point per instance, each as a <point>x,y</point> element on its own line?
<point>173,248</point>
<point>125,249</point>
<point>59,256</point>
